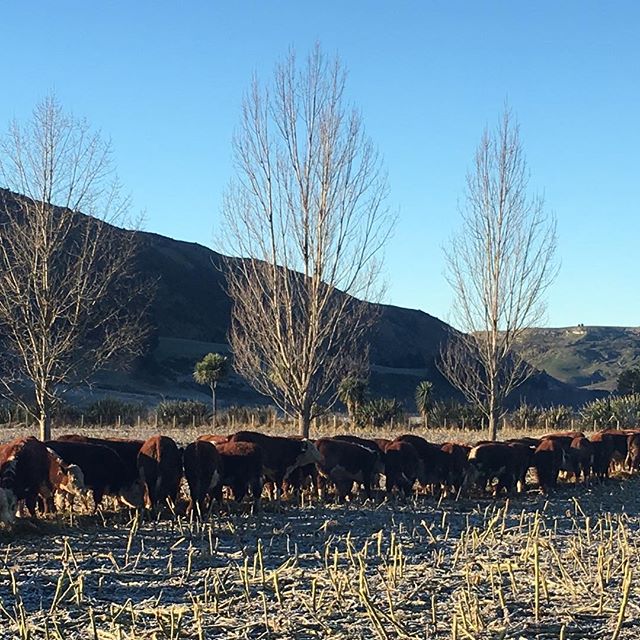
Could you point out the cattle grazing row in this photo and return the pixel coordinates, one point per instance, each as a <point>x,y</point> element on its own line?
<point>149,473</point>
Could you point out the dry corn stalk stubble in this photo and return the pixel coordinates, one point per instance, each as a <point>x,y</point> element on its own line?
<point>529,567</point>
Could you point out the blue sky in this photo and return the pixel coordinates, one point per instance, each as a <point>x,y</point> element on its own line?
<point>165,80</point>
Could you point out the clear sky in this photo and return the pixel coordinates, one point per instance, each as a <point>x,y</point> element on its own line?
<point>165,80</point>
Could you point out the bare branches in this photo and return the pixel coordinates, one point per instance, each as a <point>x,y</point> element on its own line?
<point>500,266</point>
<point>307,214</point>
<point>69,300</point>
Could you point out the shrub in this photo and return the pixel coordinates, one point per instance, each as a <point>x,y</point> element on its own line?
<point>598,413</point>
<point>613,411</point>
<point>243,416</point>
<point>109,410</point>
<point>526,416</point>
<point>456,414</point>
<point>378,412</point>
<point>182,412</point>
<point>556,417</point>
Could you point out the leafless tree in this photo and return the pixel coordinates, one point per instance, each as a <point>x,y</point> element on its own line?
<point>68,294</point>
<point>499,265</point>
<point>307,215</point>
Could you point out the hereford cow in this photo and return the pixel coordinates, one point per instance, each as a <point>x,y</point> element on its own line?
<point>64,479</point>
<point>160,470</point>
<point>203,470</point>
<point>617,440</point>
<point>548,459</point>
<point>434,461</point>
<point>126,449</point>
<point>633,452</point>
<point>581,457</point>
<point>103,470</point>
<point>280,455</point>
<point>24,472</point>
<point>241,470</point>
<point>505,462</point>
<point>457,459</point>
<point>344,463</point>
<point>402,467</point>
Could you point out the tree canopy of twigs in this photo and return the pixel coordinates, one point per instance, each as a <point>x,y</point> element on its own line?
<point>307,214</point>
<point>70,301</point>
<point>500,265</point>
<point>210,370</point>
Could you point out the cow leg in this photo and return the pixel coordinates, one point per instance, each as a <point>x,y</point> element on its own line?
<point>98,493</point>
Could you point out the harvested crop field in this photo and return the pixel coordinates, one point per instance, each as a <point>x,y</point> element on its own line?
<point>563,566</point>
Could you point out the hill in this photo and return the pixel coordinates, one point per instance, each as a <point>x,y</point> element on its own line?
<point>190,316</point>
<point>588,357</point>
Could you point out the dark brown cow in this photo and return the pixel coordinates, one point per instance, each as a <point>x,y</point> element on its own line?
<point>203,471</point>
<point>126,449</point>
<point>103,470</point>
<point>24,472</point>
<point>160,470</point>
<point>618,443</point>
<point>581,457</point>
<point>457,460</point>
<point>548,458</point>
<point>280,455</point>
<point>402,467</point>
<point>241,470</point>
<point>344,463</point>
<point>434,461</point>
<point>505,462</point>
<point>602,454</point>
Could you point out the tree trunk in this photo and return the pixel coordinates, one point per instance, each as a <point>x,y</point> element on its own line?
<point>44,424</point>
<point>304,422</point>
<point>493,424</point>
<point>214,418</point>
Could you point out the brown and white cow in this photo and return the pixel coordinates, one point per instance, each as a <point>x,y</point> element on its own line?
<point>126,449</point>
<point>344,463</point>
<point>160,470</point>
<point>280,455</point>
<point>549,458</point>
<point>66,480</point>
<point>241,470</point>
<point>505,462</point>
<point>203,471</point>
<point>633,452</point>
<point>434,461</point>
<point>402,467</point>
<point>24,472</point>
<point>103,469</point>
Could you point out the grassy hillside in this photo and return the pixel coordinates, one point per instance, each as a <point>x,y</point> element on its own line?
<point>590,357</point>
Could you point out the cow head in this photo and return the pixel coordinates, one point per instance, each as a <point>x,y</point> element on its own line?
<point>74,482</point>
<point>309,453</point>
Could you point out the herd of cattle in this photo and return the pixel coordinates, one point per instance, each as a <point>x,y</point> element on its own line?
<point>149,473</point>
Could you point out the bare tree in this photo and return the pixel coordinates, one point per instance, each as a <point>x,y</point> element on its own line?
<point>306,214</point>
<point>499,265</point>
<point>68,294</point>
